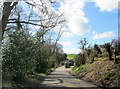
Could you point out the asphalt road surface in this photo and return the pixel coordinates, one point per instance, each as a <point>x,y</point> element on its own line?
<point>61,78</point>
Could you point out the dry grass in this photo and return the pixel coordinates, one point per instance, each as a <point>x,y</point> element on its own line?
<point>101,73</point>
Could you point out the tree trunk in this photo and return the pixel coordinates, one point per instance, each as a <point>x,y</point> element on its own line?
<point>3,23</point>
<point>115,54</point>
<point>110,55</point>
<point>6,13</point>
<point>92,58</point>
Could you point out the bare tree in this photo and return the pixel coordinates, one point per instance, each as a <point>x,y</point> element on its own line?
<point>82,45</point>
<point>48,19</point>
<point>107,46</point>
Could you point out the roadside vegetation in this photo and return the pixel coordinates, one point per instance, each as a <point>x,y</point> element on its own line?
<point>25,57</point>
<point>28,57</point>
<point>99,64</point>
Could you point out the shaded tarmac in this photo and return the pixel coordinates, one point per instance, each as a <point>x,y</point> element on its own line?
<point>61,78</point>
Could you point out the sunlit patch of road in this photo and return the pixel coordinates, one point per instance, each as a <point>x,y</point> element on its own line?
<point>61,78</point>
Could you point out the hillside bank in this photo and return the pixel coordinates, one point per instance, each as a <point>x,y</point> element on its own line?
<point>101,73</point>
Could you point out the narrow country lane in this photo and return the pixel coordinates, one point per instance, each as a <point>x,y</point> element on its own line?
<point>61,78</point>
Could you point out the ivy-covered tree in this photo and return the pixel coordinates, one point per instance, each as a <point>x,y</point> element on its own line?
<point>116,52</point>
<point>107,46</point>
<point>97,49</point>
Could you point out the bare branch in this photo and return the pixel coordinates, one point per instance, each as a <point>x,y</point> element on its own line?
<point>59,35</point>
